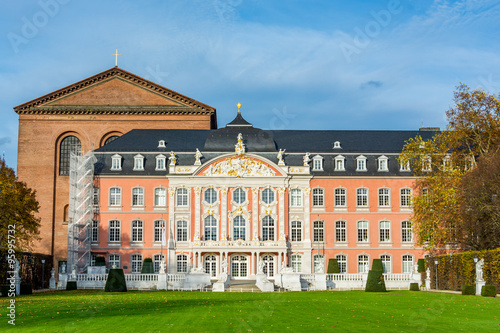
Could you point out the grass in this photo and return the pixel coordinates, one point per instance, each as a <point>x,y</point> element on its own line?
<point>160,311</point>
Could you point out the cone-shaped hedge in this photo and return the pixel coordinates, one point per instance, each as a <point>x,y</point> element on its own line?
<point>375,282</point>
<point>147,266</point>
<point>116,281</point>
<point>333,266</point>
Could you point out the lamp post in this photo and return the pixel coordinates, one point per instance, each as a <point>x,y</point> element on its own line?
<point>436,262</point>
<point>43,272</point>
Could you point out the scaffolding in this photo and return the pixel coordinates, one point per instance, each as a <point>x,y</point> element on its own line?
<point>81,191</point>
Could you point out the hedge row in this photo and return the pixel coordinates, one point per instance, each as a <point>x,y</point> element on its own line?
<point>458,269</point>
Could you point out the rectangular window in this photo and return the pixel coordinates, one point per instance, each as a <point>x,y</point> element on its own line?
<point>297,263</point>
<point>160,197</point>
<point>182,263</point>
<point>95,197</point>
<point>156,262</point>
<point>94,237</point>
<point>385,231</point>
<point>296,231</point>
<point>406,194</point>
<point>342,262</point>
<point>136,262</point>
<point>363,231</point>
<point>114,261</point>
<point>296,197</point>
<point>138,196</point>
<point>317,164</point>
<point>407,263</point>
<point>137,231</point>
<point>115,196</point>
<point>386,263</point>
<point>158,230</point>
<point>384,199</point>
<point>116,162</point>
<point>318,231</point>
<point>363,264</point>
<point>182,231</point>
<point>404,166</point>
<point>406,232</point>
<point>340,231</point>
<point>160,163</point>
<point>114,231</point>
<point>139,163</point>
<point>382,164</point>
<point>182,197</point>
<point>362,197</point>
<point>340,197</point>
<point>318,197</point>
<point>339,164</point>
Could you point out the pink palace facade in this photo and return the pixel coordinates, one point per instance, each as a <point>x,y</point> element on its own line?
<point>294,198</point>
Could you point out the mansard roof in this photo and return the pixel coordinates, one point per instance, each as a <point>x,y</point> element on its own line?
<point>115,91</point>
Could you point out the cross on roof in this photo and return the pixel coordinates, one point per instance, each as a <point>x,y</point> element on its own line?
<point>116,57</point>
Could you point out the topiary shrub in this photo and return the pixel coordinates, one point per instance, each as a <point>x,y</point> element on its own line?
<point>147,266</point>
<point>100,261</point>
<point>116,281</point>
<point>421,265</point>
<point>377,265</point>
<point>468,290</point>
<point>414,286</point>
<point>375,282</point>
<point>333,266</point>
<point>488,291</point>
<point>71,285</point>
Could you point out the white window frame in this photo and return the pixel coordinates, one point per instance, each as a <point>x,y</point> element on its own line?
<point>406,231</point>
<point>360,202</point>
<point>161,144</point>
<point>210,196</point>
<point>242,228</point>
<point>318,261</point>
<point>296,231</point>
<point>384,199</point>
<point>384,231</point>
<point>363,231</point>
<point>268,229</point>
<point>137,231</point>
<point>114,259</point>
<point>182,263</point>
<point>426,164</point>
<point>336,145</point>
<point>157,259</point>
<point>361,163</point>
<point>114,231</point>
<point>239,195</point>
<point>318,163</point>
<point>340,231</point>
<point>160,199</point>
<point>404,166</point>
<point>342,262</point>
<point>157,233</point>
<point>363,265</point>
<point>138,196</point>
<point>295,197</point>
<point>161,162</point>
<point>268,194</point>
<point>339,163</point>
<point>318,231</point>
<point>96,196</point>
<point>116,162</point>
<point>181,230</point>
<point>94,235</point>
<point>318,197</point>
<point>407,265</point>
<point>136,263</point>
<point>383,163</point>
<point>210,228</point>
<point>386,263</point>
<point>115,199</point>
<point>341,197</point>
<point>405,199</point>
<point>138,162</point>
<point>296,261</point>
<point>182,197</point>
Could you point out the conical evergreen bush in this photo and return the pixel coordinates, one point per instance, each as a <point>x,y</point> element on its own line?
<point>375,282</point>
<point>116,281</point>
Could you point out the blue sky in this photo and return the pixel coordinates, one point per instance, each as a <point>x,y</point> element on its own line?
<point>293,64</point>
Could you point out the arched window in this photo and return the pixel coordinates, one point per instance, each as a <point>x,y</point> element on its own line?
<point>239,196</point>
<point>70,144</point>
<point>268,196</point>
<point>268,261</point>
<point>211,265</point>
<point>111,139</point>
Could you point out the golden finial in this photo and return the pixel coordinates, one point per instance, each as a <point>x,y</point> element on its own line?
<point>239,106</point>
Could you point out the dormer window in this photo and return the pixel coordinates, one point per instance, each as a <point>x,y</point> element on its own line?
<point>339,163</point>
<point>161,162</point>
<point>116,162</point>
<point>336,145</point>
<point>446,163</point>
<point>427,164</point>
<point>361,163</point>
<point>404,165</point>
<point>383,164</point>
<point>317,163</point>
<point>138,162</point>
<point>161,144</point>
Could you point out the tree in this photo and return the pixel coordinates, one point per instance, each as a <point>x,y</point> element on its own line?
<point>480,204</point>
<point>19,226</point>
<point>443,162</point>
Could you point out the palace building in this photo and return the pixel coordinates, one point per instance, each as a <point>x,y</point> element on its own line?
<point>160,180</point>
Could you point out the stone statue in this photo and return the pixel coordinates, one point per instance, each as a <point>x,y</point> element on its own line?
<point>17,268</point>
<point>261,266</point>
<point>479,270</point>
<point>198,155</point>
<point>280,157</point>
<point>239,148</point>
<point>52,272</point>
<point>224,266</point>
<point>63,268</point>
<point>321,267</point>
<point>306,159</point>
<point>428,273</point>
<point>415,268</point>
<point>162,267</point>
<point>197,270</point>
<point>172,158</point>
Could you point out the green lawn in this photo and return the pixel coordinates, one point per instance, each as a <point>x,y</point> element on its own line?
<point>160,311</point>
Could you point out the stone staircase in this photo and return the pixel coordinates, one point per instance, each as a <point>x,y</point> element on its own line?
<point>243,286</point>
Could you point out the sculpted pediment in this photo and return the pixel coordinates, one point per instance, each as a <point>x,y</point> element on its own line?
<point>239,166</point>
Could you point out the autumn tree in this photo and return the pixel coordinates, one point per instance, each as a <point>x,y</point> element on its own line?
<point>18,206</point>
<point>442,163</point>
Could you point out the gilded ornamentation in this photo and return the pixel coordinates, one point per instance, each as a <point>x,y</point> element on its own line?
<point>306,159</point>
<point>223,190</point>
<point>239,167</point>
<point>171,190</point>
<point>197,190</point>
<point>280,157</point>
<point>281,190</point>
<point>172,158</point>
<point>255,190</point>
<point>307,190</point>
